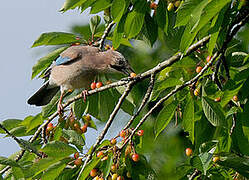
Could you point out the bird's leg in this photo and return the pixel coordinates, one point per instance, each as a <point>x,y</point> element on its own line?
<point>60,107</point>
<point>84,94</point>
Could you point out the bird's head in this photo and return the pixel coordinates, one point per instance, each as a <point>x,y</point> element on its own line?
<point>118,63</point>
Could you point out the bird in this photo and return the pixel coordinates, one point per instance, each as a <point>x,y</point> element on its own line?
<point>76,68</point>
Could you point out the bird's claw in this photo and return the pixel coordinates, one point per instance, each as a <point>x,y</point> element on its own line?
<point>60,109</point>
<point>84,93</point>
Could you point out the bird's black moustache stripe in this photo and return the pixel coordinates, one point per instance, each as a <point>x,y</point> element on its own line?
<point>118,68</point>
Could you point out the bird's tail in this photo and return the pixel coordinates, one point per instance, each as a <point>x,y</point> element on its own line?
<point>43,96</point>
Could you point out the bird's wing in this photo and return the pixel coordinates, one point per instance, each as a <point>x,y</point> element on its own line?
<point>74,53</point>
<point>63,60</point>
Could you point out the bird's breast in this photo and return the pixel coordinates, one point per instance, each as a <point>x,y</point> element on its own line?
<point>71,76</point>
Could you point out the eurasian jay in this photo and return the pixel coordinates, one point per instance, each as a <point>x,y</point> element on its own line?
<point>75,68</point>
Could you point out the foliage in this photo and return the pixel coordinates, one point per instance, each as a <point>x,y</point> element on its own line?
<point>210,115</point>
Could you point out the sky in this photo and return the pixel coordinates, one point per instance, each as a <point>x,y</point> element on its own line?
<point>21,24</point>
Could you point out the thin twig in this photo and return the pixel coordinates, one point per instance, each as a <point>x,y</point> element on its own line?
<point>20,142</point>
<point>108,124</point>
<point>233,125</point>
<point>43,135</point>
<point>122,82</point>
<point>195,173</point>
<point>232,30</point>
<point>106,32</point>
<point>215,74</point>
<point>167,97</point>
<point>144,101</point>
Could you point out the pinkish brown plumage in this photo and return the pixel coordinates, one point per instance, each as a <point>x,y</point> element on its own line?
<point>75,68</point>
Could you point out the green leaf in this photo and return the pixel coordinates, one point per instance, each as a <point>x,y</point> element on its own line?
<point>230,92</point>
<point>27,145</point>
<point>39,166</point>
<point>199,19</point>
<point>87,4</point>
<point>100,5</point>
<point>94,22</point>
<point>216,30</point>
<point>79,108</point>
<point>46,61</point>
<point>7,161</point>
<point>74,138</point>
<point>88,168</point>
<point>186,10</point>
<point>189,35</point>
<point>118,33</point>
<point>241,130</point>
<point>213,112</point>
<point>164,117</point>
<point>71,4</point>
<point>213,8</point>
<point>68,173</point>
<point>50,108</point>
<point>183,170</point>
<point>188,119</point>
<point>117,9</point>
<point>18,173</point>
<point>21,131</point>
<point>55,169</point>
<point>168,82</point>
<point>58,149</point>
<point>91,123</point>
<point>100,106</point>
<point>162,15</point>
<point>239,164</point>
<point>55,38</point>
<point>10,124</point>
<point>135,20</point>
<point>150,32</point>
<point>195,161</point>
<point>106,166</point>
<point>32,122</point>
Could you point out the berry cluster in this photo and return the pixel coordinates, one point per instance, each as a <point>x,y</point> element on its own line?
<point>113,151</point>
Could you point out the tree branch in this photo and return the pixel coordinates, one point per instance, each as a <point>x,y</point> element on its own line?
<point>144,101</point>
<point>100,43</point>
<point>168,96</point>
<point>108,124</point>
<point>20,142</point>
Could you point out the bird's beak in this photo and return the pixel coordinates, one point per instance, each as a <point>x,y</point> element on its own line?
<point>127,70</point>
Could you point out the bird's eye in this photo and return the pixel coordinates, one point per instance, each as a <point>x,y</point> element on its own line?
<point>121,63</point>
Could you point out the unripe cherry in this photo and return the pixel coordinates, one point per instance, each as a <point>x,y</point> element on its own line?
<point>208,58</point>
<point>135,157</point>
<point>93,85</point>
<point>122,133</point>
<point>78,162</point>
<point>177,3</point>
<point>76,155</point>
<point>99,84</point>
<point>217,99</point>
<point>50,126</point>
<point>133,74</point>
<point>83,128</point>
<point>196,92</point>
<point>93,172</point>
<point>113,141</point>
<point>100,154</point>
<point>114,176</point>
<point>170,6</point>
<point>140,132</point>
<point>188,152</point>
<point>198,69</point>
<point>235,98</point>
<point>113,168</point>
<point>216,159</point>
